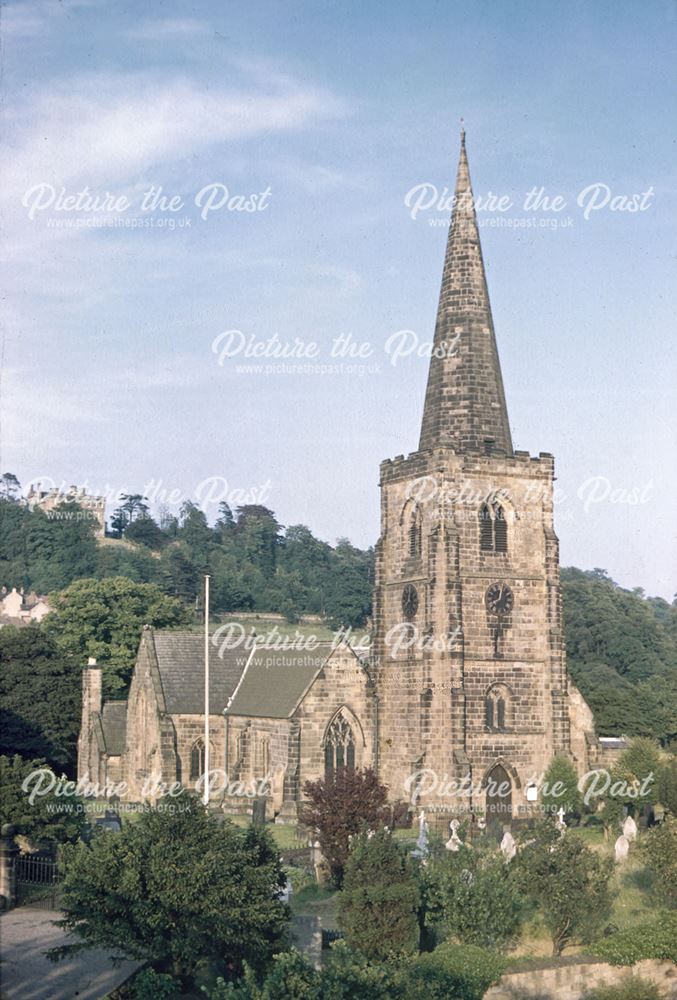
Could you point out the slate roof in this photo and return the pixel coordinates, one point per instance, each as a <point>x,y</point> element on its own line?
<point>114,726</point>
<point>180,658</point>
<point>275,681</point>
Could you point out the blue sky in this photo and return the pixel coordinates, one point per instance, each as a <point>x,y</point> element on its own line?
<point>338,111</point>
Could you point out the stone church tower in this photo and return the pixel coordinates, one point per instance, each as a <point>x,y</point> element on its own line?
<point>468,652</point>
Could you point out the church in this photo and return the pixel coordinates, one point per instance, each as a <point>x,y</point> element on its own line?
<point>463,697</point>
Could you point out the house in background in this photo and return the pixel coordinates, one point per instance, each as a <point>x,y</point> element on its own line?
<point>18,608</point>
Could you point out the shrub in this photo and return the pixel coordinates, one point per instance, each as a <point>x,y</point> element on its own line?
<point>658,848</point>
<point>340,806</point>
<point>173,889</point>
<point>348,975</point>
<point>151,985</point>
<point>570,884</point>
<point>451,972</point>
<point>642,759</point>
<point>292,976</point>
<point>378,907</point>
<point>54,819</point>
<point>651,939</point>
<point>561,788</point>
<point>473,895</point>
<point>464,972</point>
<point>632,988</point>
<point>666,786</point>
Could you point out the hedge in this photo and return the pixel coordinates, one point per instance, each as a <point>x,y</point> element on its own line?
<point>653,939</point>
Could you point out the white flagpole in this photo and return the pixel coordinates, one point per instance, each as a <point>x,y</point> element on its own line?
<point>205,797</point>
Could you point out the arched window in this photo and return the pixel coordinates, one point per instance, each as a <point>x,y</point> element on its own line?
<point>426,701</point>
<point>486,530</point>
<point>264,755</point>
<point>197,760</point>
<point>339,746</point>
<point>415,533</point>
<point>493,528</point>
<point>496,707</point>
<point>500,529</point>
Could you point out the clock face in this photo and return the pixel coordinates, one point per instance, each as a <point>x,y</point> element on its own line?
<point>499,599</point>
<point>409,601</point>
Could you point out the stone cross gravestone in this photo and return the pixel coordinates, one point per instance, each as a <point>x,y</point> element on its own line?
<point>421,850</point>
<point>454,841</point>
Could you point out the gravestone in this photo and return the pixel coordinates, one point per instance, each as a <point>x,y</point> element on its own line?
<point>508,846</point>
<point>621,849</point>
<point>630,829</point>
<point>454,842</point>
<point>421,850</point>
<point>259,811</point>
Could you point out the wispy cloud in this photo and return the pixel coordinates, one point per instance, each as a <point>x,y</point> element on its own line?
<point>108,128</point>
<point>19,20</point>
<point>164,29</point>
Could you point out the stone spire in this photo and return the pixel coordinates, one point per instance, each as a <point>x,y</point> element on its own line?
<point>464,401</point>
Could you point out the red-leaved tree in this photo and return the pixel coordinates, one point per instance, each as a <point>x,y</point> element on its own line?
<point>339,806</point>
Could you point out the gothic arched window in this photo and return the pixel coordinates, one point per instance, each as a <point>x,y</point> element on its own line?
<point>197,760</point>
<point>339,746</point>
<point>264,755</point>
<point>486,530</point>
<point>496,705</point>
<point>493,528</point>
<point>415,534</point>
<point>500,529</point>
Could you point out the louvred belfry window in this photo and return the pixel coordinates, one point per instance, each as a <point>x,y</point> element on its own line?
<point>493,528</point>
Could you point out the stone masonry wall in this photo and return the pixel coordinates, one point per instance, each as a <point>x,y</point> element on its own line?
<point>432,695</point>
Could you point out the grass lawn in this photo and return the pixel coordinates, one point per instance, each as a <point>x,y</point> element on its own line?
<point>262,625</point>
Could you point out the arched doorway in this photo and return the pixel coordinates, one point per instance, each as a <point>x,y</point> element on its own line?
<point>498,798</point>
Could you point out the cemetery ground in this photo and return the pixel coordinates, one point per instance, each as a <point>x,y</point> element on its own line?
<point>633,887</point>
<point>634,903</point>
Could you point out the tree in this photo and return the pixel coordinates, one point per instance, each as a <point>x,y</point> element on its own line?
<point>175,889</point>
<point>179,576</point>
<point>14,561</point>
<point>104,618</point>
<point>569,882</point>
<point>196,535</point>
<point>40,692</point>
<point>119,521</point>
<point>642,760</point>
<point>658,847</point>
<point>10,487</point>
<point>473,895</point>
<point>50,818</point>
<point>666,786</point>
<point>146,532</point>
<point>349,600</point>
<point>135,505</point>
<point>560,788</point>
<point>60,546</point>
<point>340,806</point>
<point>378,906</point>
<point>622,654</point>
<point>259,535</point>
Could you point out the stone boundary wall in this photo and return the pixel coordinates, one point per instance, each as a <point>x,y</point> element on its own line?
<point>570,982</point>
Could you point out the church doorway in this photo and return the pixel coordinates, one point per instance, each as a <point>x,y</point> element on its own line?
<point>498,798</point>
